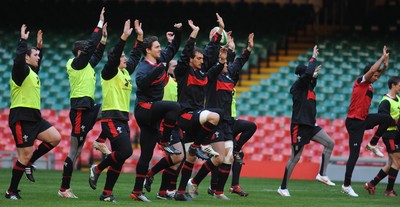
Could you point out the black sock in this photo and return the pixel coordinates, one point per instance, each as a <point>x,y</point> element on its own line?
<point>167,176</point>
<point>17,172</point>
<point>42,149</point>
<point>223,174</point>
<point>214,178</point>
<point>141,172</point>
<point>207,167</point>
<point>236,168</point>
<point>374,141</point>
<point>67,173</point>
<point>391,179</point>
<point>381,174</point>
<point>186,172</point>
<point>112,177</point>
<point>164,163</point>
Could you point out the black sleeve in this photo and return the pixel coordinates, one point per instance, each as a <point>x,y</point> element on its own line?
<point>237,65</point>
<point>83,58</point>
<point>145,81</point>
<point>134,57</point>
<point>111,67</point>
<point>306,77</point>
<point>20,69</point>
<point>313,82</point>
<point>384,107</point>
<point>215,71</point>
<point>211,52</point>
<point>97,55</point>
<point>183,62</point>
<point>168,53</point>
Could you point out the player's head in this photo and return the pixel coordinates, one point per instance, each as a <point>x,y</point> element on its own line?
<point>152,47</point>
<point>32,56</point>
<point>122,59</point>
<point>375,76</point>
<point>78,46</point>
<point>300,69</point>
<point>394,84</point>
<point>196,59</point>
<point>171,67</point>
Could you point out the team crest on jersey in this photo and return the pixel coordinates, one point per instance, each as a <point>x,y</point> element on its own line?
<point>25,137</point>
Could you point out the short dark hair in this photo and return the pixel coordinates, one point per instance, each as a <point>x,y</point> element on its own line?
<point>29,50</point>
<point>196,50</point>
<point>79,45</point>
<point>148,42</point>
<point>300,69</point>
<point>393,80</point>
<point>367,68</point>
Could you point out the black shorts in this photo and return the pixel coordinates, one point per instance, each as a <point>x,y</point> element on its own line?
<point>392,141</point>
<point>25,132</point>
<point>189,122</point>
<point>82,121</point>
<point>302,134</point>
<point>223,133</point>
<point>113,129</point>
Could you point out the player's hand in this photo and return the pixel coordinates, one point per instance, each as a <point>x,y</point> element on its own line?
<point>194,27</point>
<point>178,25</point>
<point>102,14</point>
<point>250,42</point>
<point>316,71</point>
<point>315,52</point>
<point>170,36</point>
<point>104,34</point>
<point>220,21</point>
<point>39,39</point>
<point>24,33</point>
<point>127,30</point>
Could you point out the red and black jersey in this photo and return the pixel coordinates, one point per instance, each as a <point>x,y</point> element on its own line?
<point>192,81</point>
<point>304,109</point>
<point>361,99</point>
<point>152,77</point>
<point>220,87</point>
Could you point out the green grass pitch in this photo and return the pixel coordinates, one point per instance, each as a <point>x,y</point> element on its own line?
<point>43,193</point>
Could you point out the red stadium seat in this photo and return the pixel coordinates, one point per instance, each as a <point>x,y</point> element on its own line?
<point>281,120</point>
<point>339,123</point>
<point>322,122</point>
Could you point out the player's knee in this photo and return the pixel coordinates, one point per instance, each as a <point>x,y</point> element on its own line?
<point>252,127</point>
<point>228,158</point>
<point>213,118</point>
<point>177,158</point>
<point>218,160</point>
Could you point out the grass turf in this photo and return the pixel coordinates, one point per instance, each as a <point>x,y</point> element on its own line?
<point>43,193</point>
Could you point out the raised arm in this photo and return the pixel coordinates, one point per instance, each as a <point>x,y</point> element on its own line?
<point>183,62</point>
<point>217,68</point>
<point>135,54</point>
<point>376,66</point>
<point>168,53</point>
<point>81,60</point>
<point>237,65</point>
<point>111,67</point>
<point>20,70</point>
<point>211,50</point>
<point>98,53</point>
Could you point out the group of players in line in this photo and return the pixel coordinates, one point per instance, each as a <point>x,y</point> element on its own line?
<point>187,107</point>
